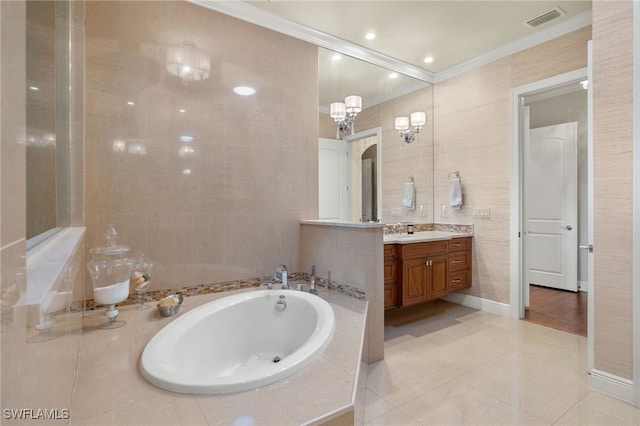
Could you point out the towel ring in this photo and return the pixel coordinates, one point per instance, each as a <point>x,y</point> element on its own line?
<point>455,174</point>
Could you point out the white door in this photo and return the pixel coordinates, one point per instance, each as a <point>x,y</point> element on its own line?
<point>551,188</point>
<point>333,179</point>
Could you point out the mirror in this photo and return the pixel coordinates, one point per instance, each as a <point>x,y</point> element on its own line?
<point>385,95</point>
<point>47,120</point>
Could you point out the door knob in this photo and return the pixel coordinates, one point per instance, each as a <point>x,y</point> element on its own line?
<point>568,227</point>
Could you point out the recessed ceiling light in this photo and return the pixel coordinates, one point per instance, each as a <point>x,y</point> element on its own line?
<point>393,75</point>
<point>130,103</point>
<point>370,36</point>
<point>428,59</point>
<point>34,88</point>
<point>244,90</point>
<point>186,172</point>
<point>186,138</point>
<point>182,110</point>
<point>336,57</point>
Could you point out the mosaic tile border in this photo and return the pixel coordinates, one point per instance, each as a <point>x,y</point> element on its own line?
<point>423,227</point>
<point>154,295</point>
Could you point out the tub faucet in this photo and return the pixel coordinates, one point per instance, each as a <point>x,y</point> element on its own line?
<point>284,277</point>
<point>312,287</point>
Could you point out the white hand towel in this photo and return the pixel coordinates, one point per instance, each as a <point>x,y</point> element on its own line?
<point>408,195</point>
<point>455,194</point>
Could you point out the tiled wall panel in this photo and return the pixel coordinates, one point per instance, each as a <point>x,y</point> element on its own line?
<point>613,190</point>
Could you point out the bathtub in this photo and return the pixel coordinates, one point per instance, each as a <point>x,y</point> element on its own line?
<point>239,342</point>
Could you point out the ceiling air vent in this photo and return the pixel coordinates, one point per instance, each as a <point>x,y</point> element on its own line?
<point>545,17</point>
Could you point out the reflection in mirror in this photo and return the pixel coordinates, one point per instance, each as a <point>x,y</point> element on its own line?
<point>47,106</point>
<point>385,95</point>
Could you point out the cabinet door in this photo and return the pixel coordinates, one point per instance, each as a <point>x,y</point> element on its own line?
<point>390,274</point>
<point>437,285</point>
<point>414,278</point>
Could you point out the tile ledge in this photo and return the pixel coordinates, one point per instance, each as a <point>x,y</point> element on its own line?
<point>45,268</point>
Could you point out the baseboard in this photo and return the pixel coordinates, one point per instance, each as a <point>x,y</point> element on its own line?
<point>612,385</point>
<point>475,302</point>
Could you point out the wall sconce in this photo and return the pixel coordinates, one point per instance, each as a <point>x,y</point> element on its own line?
<point>344,114</point>
<point>188,62</point>
<point>418,119</point>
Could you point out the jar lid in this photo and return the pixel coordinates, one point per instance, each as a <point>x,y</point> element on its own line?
<point>111,248</point>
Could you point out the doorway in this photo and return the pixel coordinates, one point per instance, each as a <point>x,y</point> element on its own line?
<point>350,177</point>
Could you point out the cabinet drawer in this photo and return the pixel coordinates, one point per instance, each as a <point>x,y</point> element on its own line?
<point>460,244</point>
<point>459,260</point>
<point>389,252</point>
<point>459,280</point>
<point>423,249</point>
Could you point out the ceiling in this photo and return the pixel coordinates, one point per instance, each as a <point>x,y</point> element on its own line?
<point>452,32</point>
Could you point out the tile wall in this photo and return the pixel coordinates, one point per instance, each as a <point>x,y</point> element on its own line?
<point>613,186</point>
<point>226,205</point>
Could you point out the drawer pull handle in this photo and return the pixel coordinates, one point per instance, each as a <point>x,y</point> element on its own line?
<point>456,281</point>
<point>456,244</point>
<point>456,261</point>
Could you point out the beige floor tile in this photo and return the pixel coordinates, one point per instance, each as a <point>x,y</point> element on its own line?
<point>394,417</point>
<point>599,409</point>
<point>375,406</point>
<point>455,403</point>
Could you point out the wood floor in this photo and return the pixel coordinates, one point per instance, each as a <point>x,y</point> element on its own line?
<point>559,309</point>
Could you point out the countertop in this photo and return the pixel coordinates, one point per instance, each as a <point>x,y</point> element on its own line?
<point>424,236</point>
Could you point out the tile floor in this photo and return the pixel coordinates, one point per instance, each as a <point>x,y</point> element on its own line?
<point>460,366</point>
<point>562,310</point>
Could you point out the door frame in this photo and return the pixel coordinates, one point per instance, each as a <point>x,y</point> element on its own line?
<point>516,185</point>
<point>377,132</point>
<point>636,201</point>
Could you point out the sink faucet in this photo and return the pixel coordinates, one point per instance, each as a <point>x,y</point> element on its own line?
<point>396,228</point>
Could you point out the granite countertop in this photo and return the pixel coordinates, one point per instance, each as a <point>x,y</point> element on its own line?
<point>111,390</point>
<point>423,236</point>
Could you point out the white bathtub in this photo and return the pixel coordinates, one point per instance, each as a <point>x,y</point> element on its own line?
<point>229,344</point>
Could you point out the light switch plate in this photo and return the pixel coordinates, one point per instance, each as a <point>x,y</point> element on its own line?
<point>395,212</point>
<point>482,213</point>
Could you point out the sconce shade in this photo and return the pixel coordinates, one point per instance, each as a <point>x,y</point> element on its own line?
<point>188,62</point>
<point>402,123</point>
<point>338,111</point>
<point>353,104</point>
<point>418,119</point>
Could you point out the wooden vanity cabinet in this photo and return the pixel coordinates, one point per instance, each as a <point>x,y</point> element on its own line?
<point>424,271</point>
<point>459,265</point>
<point>420,272</point>
<point>390,276</point>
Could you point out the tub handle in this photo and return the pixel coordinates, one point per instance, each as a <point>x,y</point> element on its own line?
<point>281,305</point>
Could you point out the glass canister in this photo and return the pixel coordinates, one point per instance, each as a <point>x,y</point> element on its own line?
<point>110,269</point>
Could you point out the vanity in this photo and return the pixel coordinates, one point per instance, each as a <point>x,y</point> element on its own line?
<point>425,266</point>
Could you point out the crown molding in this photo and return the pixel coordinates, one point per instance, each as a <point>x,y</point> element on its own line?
<point>266,19</point>
<point>257,16</point>
<point>572,24</point>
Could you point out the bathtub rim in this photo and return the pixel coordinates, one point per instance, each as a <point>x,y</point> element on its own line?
<point>315,346</point>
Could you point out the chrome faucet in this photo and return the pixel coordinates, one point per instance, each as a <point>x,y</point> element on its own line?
<point>396,228</point>
<point>281,275</point>
<point>312,287</point>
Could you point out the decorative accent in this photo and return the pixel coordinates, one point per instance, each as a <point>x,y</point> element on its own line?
<point>188,62</point>
<point>418,119</point>
<point>344,114</point>
<point>201,289</point>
